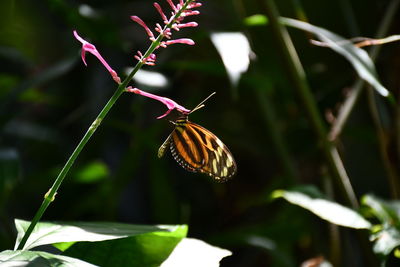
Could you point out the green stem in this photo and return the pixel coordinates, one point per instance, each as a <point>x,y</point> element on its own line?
<point>298,77</point>
<point>297,74</point>
<point>50,195</point>
<point>267,111</point>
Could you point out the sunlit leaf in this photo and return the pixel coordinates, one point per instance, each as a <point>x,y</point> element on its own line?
<point>385,211</point>
<point>22,258</point>
<point>194,252</point>
<point>53,232</point>
<point>358,57</point>
<point>386,240</point>
<point>235,51</point>
<point>327,210</point>
<point>148,249</point>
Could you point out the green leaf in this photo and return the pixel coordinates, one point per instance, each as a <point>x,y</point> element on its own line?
<point>386,241</point>
<point>358,57</point>
<point>386,236</point>
<point>92,172</point>
<point>194,252</point>
<point>61,232</point>
<point>22,258</point>
<point>36,96</point>
<point>150,249</point>
<point>256,20</point>
<point>325,209</point>
<point>385,211</point>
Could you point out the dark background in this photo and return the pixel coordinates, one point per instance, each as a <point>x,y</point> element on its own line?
<point>48,99</point>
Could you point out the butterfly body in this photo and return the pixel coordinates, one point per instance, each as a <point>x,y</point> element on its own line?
<point>197,149</point>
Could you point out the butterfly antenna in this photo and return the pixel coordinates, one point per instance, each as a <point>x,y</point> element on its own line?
<point>199,106</point>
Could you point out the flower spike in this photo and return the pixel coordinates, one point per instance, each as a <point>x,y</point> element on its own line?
<point>88,47</point>
<point>179,12</point>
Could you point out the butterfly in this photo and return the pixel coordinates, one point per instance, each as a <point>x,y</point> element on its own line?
<point>197,149</point>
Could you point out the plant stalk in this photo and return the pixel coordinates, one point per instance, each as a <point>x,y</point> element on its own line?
<point>298,76</point>
<point>50,195</point>
<point>352,98</point>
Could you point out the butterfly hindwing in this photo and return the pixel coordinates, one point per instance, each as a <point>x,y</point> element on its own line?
<point>161,150</point>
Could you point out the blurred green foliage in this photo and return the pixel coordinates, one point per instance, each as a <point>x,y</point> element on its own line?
<point>48,99</point>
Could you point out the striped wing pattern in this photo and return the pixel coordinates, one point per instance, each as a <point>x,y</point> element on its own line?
<point>197,149</point>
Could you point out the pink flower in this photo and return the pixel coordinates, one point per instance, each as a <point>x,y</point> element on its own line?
<point>179,12</point>
<point>171,104</point>
<point>88,47</point>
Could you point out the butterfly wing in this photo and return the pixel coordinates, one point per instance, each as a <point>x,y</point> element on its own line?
<point>198,150</point>
<point>161,150</point>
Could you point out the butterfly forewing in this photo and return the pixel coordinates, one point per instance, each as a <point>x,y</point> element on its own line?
<point>198,150</point>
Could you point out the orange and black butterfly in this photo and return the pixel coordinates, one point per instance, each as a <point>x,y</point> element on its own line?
<point>197,149</point>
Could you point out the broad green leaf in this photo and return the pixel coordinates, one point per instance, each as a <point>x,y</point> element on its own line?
<point>358,57</point>
<point>22,258</point>
<point>150,249</point>
<point>327,210</point>
<point>194,252</point>
<point>52,232</point>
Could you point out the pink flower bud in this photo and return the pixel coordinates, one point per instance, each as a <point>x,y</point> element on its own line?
<point>187,13</point>
<point>172,5</point>
<point>160,11</point>
<point>180,41</point>
<point>141,23</point>
<point>188,24</point>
